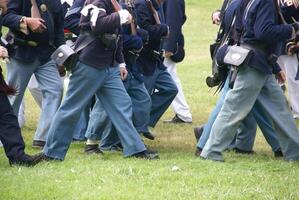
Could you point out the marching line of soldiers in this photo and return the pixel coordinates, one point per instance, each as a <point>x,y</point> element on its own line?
<point>123,77</point>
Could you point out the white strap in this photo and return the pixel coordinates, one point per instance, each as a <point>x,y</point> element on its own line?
<point>94,13</point>
<point>69,2</point>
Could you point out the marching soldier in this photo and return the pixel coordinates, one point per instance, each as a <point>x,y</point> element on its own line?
<point>10,132</point>
<point>255,81</point>
<point>175,53</point>
<point>158,81</point>
<point>288,61</point>
<point>36,29</point>
<point>133,40</point>
<point>97,73</point>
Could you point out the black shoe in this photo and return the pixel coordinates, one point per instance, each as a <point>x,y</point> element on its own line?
<point>147,155</point>
<point>278,154</point>
<point>38,144</point>
<point>198,132</point>
<point>240,151</point>
<point>149,135</point>
<point>44,157</point>
<point>198,152</point>
<point>92,149</point>
<point>176,120</point>
<point>26,160</point>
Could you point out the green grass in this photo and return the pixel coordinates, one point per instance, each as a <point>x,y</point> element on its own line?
<point>111,176</point>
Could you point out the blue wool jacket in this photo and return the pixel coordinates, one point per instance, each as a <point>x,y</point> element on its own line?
<point>96,54</point>
<point>260,27</point>
<point>47,41</point>
<point>175,18</point>
<point>72,17</point>
<point>156,32</point>
<point>132,44</point>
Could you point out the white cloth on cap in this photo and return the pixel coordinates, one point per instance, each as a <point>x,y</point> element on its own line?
<point>70,2</point>
<point>94,13</point>
<point>124,16</point>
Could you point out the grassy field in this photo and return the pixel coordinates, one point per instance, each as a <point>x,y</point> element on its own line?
<point>111,176</point>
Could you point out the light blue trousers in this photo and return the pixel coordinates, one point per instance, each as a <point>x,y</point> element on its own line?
<point>47,76</point>
<point>253,86</point>
<point>162,90</point>
<point>106,84</point>
<point>246,133</point>
<point>100,127</point>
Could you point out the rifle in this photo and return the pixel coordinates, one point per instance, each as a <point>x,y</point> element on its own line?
<point>153,10</point>
<point>131,8</point>
<point>216,78</point>
<point>115,5</point>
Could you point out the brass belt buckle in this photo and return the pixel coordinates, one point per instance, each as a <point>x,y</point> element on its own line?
<point>32,43</point>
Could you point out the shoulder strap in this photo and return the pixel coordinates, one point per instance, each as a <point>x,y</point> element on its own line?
<point>84,43</point>
<point>281,18</point>
<point>153,11</point>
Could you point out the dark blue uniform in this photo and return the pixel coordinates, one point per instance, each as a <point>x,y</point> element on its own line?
<point>96,73</point>
<point>157,80</point>
<point>72,17</point>
<point>141,101</point>
<point>175,18</point>
<point>31,54</point>
<point>10,132</point>
<point>255,84</point>
<point>46,41</point>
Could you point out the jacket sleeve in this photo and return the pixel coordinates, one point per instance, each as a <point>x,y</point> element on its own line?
<point>59,26</point>
<point>72,17</point>
<point>132,42</point>
<point>266,28</point>
<point>175,17</point>
<point>105,22</point>
<point>144,20</point>
<point>119,52</point>
<point>12,18</point>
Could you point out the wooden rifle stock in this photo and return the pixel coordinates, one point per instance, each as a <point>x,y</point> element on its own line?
<point>153,10</point>
<point>131,7</point>
<point>115,5</point>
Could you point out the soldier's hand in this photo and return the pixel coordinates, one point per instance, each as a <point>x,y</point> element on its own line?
<point>3,52</point>
<point>123,71</point>
<point>125,17</point>
<point>36,25</point>
<point>292,48</point>
<point>168,54</point>
<point>281,77</point>
<point>216,17</point>
<point>3,6</point>
<point>61,70</point>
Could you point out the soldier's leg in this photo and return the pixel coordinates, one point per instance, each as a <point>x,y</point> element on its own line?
<point>290,66</point>
<point>274,102</point>
<point>238,103</point>
<point>51,86</point>
<point>10,133</point>
<point>118,106</point>
<point>179,104</point>
<point>141,103</point>
<point>99,122</point>
<point>246,135</point>
<point>164,93</point>
<point>85,81</point>
<point>18,75</point>
<point>266,126</point>
<point>208,126</point>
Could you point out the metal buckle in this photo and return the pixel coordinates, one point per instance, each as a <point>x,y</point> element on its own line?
<point>32,43</point>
